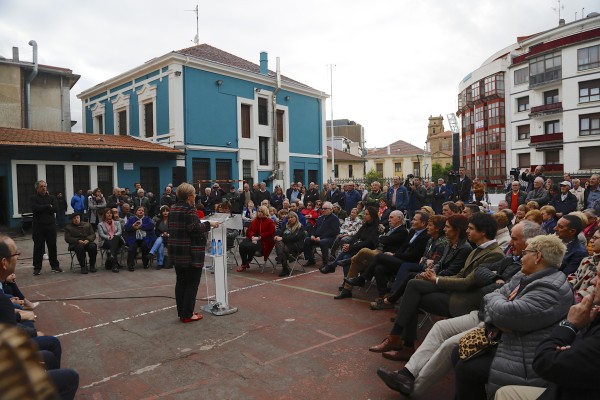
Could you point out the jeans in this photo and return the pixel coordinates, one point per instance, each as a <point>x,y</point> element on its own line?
<point>158,249</point>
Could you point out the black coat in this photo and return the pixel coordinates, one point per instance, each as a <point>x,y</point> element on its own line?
<point>412,252</point>
<point>43,207</point>
<point>462,190</point>
<point>391,242</point>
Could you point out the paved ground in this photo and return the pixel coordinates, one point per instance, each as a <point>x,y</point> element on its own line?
<point>289,339</point>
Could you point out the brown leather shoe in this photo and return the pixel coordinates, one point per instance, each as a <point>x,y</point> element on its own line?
<point>391,342</point>
<point>399,355</point>
<point>396,381</point>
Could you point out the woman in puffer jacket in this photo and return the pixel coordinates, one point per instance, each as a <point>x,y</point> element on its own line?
<point>524,310</point>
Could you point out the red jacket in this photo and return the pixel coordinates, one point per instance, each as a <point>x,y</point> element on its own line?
<point>265,229</point>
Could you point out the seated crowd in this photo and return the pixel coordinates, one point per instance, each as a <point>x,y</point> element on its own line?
<point>525,274</point>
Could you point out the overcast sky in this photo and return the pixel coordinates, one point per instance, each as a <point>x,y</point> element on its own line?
<point>396,62</point>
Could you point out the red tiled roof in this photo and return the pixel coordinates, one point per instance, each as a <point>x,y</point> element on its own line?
<point>343,156</point>
<point>397,148</point>
<point>15,137</point>
<point>210,53</point>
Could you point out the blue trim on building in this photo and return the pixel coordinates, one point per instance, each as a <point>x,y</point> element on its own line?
<point>120,87</point>
<point>162,107</point>
<point>306,165</point>
<point>147,76</point>
<point>99,95</point>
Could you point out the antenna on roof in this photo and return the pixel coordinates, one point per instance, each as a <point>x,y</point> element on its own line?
<point>197,37</point>
<point>558,9</point>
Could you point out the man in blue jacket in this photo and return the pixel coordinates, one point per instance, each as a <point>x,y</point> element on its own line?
<point>351,196</point>
<point>323,234</point>
<point>567,228</point>
<point>78,202</point>
<point>397,196</point>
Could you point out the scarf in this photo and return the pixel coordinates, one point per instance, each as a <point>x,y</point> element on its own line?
<point>110,228</point>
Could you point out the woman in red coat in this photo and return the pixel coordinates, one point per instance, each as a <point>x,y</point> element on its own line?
<point>259,237</point>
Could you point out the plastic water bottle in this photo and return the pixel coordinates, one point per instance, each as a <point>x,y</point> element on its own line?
<point>213,247</point>
<point>219,248</point>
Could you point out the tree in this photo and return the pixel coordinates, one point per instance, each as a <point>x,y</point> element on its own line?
<point>437,171</point>
<point>371,176</point>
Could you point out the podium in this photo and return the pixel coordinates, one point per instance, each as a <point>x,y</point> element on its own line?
<point>220,306</point>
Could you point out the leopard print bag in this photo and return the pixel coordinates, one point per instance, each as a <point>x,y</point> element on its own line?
<point>477,342</point>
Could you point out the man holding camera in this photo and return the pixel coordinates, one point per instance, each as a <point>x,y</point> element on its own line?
<point>530,178</point>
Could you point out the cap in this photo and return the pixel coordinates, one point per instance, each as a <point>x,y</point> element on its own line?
<point>565,183</point>
<point>75,214</point>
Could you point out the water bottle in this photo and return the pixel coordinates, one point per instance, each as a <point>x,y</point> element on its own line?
<point>213,247</point>
<point>219,248</point>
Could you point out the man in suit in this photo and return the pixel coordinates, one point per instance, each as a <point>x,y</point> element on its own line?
<point>462,188</point>
<point>567,228</point>
<point>538,193</point>
<point>439,196</point>
<point>448,296</point>
<point>397,196</point>
<point>333,194</point>
<point>387,264</point>
<point>324,233</point>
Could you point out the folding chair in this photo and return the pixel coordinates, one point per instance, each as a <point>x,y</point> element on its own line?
<point>73,257</point>
<point>426,317</point>
<point>257,259</point>
<point>294,262</point>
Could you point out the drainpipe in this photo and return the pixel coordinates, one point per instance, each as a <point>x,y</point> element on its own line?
<point>28,80</point>
<point>274,124</point>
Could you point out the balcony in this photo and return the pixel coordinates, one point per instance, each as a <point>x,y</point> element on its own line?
<point>554,168</point>
<point>546,109</point>
<point>546,142</point>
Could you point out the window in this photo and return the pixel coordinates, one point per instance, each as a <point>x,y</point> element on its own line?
<point>494,85</point>
<point>224,172</point>
<point>397,167</point>
<point>552,157</point>
<point>379,169</point>
<point>589,124</point>
<point>26,178</point>
<point>247,172</point>
<point>201,172</point>
<point>417,168</point>
<point>523,132</point>
<point>149,120</point>
<point>99,124</point>
<point>55,177</point>
<point>496,139</point>
<point>475,91</point>
<point>588,157</point>
<point>263,149</point>
<point>245,116</point>
<point>524,160</point>
<point>122,122</point>
<point>336,170</point>
<point>149,179</point>
<point>545,68</point>
<point>551,97</point>
<point>280,125</point>
<point>551,127</point>
<point>588,58</point>
<point>521,76</point>
<point>105,180</point>
<point>523,103</point>
<point>350,171</point>
<point>263,111</point>
<point>589,91</point>
<point>313,175</point>
<point>81,178</point>
<point>299,175</point>
<point>496,113</point>
<point>480,117</point>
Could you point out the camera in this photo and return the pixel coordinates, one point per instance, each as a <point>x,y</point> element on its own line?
<point>514,172</point>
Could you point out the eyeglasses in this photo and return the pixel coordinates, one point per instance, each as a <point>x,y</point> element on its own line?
<point>326,208</point>
<point>13,255</point>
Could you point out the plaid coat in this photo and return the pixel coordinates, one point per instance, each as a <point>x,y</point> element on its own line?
<point>187,236</point>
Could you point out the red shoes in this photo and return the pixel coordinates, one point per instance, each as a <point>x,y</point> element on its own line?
<point>195,317</point>
<point>242,268</point>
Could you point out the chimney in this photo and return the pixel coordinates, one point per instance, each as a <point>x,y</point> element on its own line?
<point>15,54</point>
<point>264,63</point>
<point>389,149</point>
<point>561,22</point>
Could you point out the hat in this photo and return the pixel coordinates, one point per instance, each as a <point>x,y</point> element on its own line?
<point>231,187</point>
<point>565,183</point>
<point>75,214</point>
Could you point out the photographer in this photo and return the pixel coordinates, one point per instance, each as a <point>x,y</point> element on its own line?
<point>529,177</point>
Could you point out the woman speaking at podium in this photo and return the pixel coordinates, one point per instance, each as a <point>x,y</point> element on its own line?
<point>187,243</point>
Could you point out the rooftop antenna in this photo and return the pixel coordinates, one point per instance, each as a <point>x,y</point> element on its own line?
<point>560,7</point>
<point>197,37</point>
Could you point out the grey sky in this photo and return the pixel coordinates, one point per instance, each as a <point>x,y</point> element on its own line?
<point>397,62</point>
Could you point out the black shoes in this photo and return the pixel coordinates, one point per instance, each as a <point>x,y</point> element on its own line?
<point>396,381</point>
<point>93,269</point>
<point>37,272</point>
<point>359,281</point>
<point>284,272</point>
<point>131,268</point>
<point>327,269</point>
<point>56,269</point>
<point>344,294</point>
<point>84,270</point>
<point>115,269</point>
